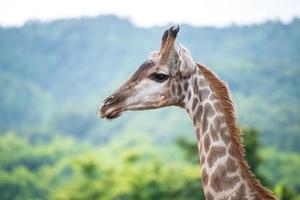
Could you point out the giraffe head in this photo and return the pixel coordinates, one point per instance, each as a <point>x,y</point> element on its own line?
<point>157,82</point>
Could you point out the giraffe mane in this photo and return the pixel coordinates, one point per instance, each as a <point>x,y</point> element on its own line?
<point>222,92</point>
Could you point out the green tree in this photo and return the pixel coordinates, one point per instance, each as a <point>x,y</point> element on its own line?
<point>286,193</point>
<point>136,176</point>
<point>21,184</point>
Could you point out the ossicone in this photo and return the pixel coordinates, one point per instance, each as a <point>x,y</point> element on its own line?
<point>174,30</point>
<point>168,43</point>
<point>169,36</point>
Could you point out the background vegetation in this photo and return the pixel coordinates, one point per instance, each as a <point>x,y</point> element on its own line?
<point>54,75</point>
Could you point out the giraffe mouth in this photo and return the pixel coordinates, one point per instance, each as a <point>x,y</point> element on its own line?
<point>114,114</point>
<point>109,113</point>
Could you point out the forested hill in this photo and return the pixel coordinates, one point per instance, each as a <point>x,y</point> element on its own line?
<point>53,76</point>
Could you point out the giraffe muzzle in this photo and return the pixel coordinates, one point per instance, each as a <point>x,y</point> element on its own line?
<point>109,108</point>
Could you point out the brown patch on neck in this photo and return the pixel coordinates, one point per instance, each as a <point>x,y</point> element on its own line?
<point>222,93</point>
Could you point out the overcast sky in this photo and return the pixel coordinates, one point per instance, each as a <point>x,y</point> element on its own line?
<point>153,12</point>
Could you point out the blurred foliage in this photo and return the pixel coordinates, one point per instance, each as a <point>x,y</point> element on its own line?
<point>98,174</point>
<point>113,173</point>
<point>134,178</point>
<point>286,193</point>
<point>54,74</point>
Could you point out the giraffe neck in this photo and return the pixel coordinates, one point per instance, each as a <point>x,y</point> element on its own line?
<point>224,172</point>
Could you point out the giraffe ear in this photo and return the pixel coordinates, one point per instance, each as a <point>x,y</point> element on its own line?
<point>187,64</point>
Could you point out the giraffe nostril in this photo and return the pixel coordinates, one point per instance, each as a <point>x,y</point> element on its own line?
<point>111,100</point>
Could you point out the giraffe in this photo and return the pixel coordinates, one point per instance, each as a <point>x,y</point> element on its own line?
<point>170,77</point>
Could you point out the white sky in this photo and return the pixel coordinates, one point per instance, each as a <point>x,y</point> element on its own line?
<point>153,12</point>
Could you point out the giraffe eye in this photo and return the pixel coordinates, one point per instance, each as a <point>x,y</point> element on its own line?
<point>159,77</point>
